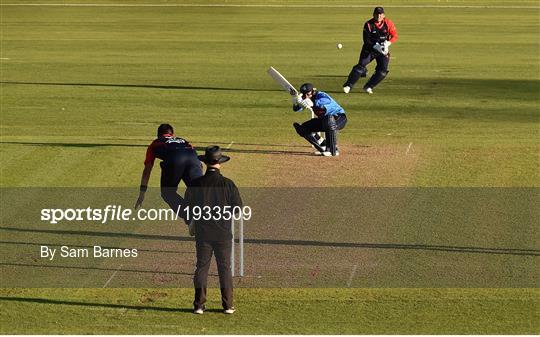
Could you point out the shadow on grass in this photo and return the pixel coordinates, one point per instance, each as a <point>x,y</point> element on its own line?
<point>198,148</point>
<point>140,86</point>
<point>102,305</point>
<point>107,247</point>
<point>390,246</point>
<point>442,84</point>
<point>141,271</point>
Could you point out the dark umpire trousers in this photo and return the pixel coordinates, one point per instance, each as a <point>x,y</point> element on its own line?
<point>222,251</point>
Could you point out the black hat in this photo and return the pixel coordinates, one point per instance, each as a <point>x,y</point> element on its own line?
<point>306,87</point>
<point>212,155</point>
<point>378,10</point>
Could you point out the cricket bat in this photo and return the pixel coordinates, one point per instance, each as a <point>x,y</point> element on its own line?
<point>287,86</point>
<point>281,80</point>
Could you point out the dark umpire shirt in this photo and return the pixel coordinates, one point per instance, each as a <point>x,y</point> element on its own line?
<point>215,191</point>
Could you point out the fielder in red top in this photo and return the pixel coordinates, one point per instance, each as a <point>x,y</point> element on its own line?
<point>379,33</point>
<point>179,161</point>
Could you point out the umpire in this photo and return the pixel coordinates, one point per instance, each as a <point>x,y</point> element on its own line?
<point>179,162</point>
<point>213,236</point>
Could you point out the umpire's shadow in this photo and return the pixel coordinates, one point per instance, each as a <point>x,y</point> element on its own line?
<point>92,304</point>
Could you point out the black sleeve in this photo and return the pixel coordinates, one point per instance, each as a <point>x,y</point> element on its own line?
<point>234,195</point>
<point>368,41</point>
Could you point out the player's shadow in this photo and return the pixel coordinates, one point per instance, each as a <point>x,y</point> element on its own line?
<point>125,270</point>
<point>81,145</point>
<point>198,148</point>
<point>146,86</point>
<point>313,243</point>
<point>94,304</point>
<point>103,246</point>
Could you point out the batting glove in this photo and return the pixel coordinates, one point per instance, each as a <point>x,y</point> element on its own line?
<point>306,103</point>
<point>297,99</point>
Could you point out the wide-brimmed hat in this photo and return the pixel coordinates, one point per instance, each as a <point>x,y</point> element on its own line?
<point>212,155</point>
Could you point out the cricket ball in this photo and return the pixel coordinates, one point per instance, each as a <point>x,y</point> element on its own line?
<point>339,46</point>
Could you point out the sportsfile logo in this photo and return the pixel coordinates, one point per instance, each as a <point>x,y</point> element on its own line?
<point>119,213</point>
<point>109,213</point>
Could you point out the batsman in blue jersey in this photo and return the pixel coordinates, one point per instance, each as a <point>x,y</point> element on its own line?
<point>330,118</point>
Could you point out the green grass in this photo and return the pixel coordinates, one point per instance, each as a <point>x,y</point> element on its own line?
<point>276,311</point>
<point>84,88</point>
<point>109,75</point>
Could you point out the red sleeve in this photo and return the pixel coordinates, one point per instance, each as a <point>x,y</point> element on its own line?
<point>392,30</point>
<point>150,154</point>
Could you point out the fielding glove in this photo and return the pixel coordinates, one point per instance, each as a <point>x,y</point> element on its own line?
<point>379,48</point>
<point>386,47</point>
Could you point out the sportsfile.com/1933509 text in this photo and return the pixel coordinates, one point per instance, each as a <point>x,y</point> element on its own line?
<point>119,213</point>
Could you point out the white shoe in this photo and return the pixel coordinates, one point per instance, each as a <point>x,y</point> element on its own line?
<point>318,153</point>
<point>368,90</point>
<point>229,311</point>
<point>329,154</point>
<point>346,89</point>
<point>198,311</point>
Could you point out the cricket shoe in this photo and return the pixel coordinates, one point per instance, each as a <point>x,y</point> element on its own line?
<point>368,90</point>
<point>346,89</point>
<point>229,311</point>
<point>329,154</point>
<point>198,311</point>
<point>319,153</point>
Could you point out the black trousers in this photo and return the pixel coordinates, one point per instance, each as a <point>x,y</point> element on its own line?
<point>222,251</point>
<point>316,124</point>
<point>186,167</point>
<point>367,55</point>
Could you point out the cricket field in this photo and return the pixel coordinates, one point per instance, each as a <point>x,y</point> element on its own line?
<point>443,161</point>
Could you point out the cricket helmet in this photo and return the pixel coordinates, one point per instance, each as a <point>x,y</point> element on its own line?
<point>378,10</point>
<point>306,87</point>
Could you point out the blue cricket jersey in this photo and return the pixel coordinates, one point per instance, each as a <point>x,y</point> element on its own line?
<point>323,100</point>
